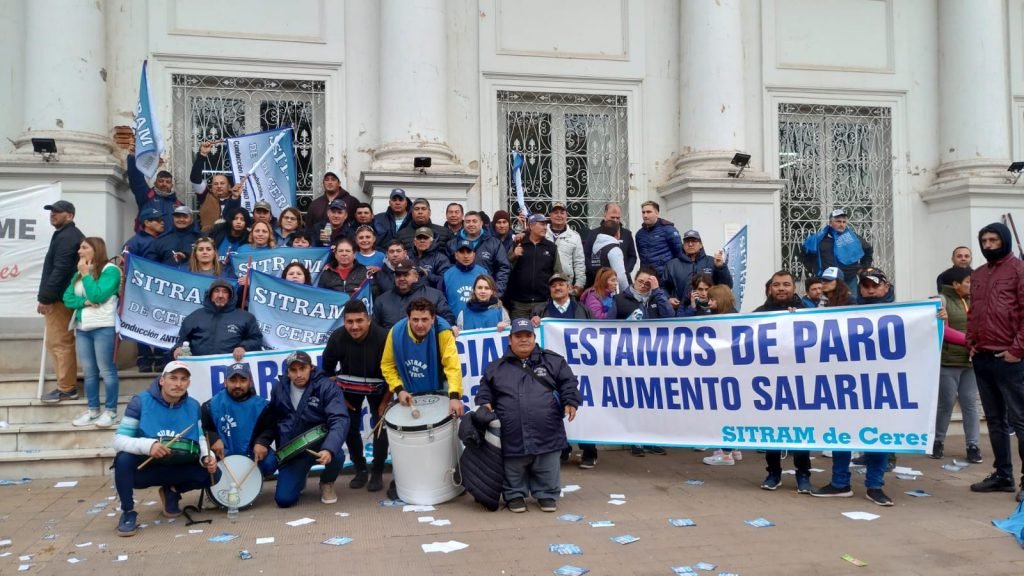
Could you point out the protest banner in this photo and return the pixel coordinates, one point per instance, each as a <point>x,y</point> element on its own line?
<point>861,378</point>
<point>25,234</point>
<point>274,260</point>
<point>266,161</point>
<point>854,378</point>
<point>736,260</point>
<point>292,314</point>
<point>156,299</point>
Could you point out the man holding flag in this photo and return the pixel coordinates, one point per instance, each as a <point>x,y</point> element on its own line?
<point>144,158</point>
<point>265,163</point>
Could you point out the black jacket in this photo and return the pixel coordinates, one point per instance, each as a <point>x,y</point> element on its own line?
<point>771,306</point>
<point>331,280</point>
<point>212,330</point>
<point>408,233</point>
<point>530,411</point>
<point>528,281</point>
<point>433,262</point>
<point>60,264</point>
<point>490,253</point>
<point>175,240</point>
<point>390,306</point>
<point>343,355</point>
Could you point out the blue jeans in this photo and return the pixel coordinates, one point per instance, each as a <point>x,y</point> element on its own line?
<point>182,477</point>
<point>1001,387</point>
<point>96,357</point>
<point>876,461</point>
<point>291,477</point>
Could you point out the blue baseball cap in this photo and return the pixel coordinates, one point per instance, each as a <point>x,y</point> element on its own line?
<point>151,214</point>
<point>521,325</point>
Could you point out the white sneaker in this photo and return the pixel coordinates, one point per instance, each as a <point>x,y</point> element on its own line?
<point>737,455</point>
<point>107,419</point>
<point>327,495</point>
<point>86,419</point>
<point>826,454</point>
<point>720,459</point>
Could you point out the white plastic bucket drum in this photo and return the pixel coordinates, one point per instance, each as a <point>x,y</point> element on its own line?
<point>424,450</point>
<point>244,470</point>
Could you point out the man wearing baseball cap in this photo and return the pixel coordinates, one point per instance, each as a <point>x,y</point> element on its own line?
<point>175,246</point>
<point>837,245</point>
<point>390,306</point>
<point>490,252</point>
<point>59,268</point>
<point>262,212</point>
<point>160,197</point>
<point>229,418</point>
<point>303,401</point>
<point>572,262</point>
<point>160,425</point>
<point>531,390</point>
<point>679,272</point>
<point>143,244</point>
<point>533,261</point>
<point>421,218</point>
<point>392,221</point>
<point>332,190</point>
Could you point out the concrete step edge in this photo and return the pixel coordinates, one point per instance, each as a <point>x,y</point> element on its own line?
<point>69,454</point>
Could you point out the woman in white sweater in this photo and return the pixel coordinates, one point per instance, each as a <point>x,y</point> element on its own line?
<point>92,295</point>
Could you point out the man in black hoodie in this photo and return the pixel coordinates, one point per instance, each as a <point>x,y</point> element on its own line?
<point>219,327</point>
<point>353,358</point>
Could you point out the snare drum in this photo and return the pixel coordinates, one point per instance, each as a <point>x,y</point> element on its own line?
<point>239,467</point>
<point>183,451</point>
<point>424,450</point>
<point>308,440</point>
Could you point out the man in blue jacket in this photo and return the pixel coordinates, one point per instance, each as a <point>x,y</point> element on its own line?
<point>531,390</point>
<point>490,252</point>
<point>175,246</point>
<point>230,417</point>
<point>151,420</point>
<point>160,197</point>
<point>679,272</point>
<point>302,400</point>
<point>657,241</point>
<point>837,245</point>
<point>219,327</point>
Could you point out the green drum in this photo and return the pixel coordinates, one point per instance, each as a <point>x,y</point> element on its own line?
<point>183,451</point>
<point>308,440</point>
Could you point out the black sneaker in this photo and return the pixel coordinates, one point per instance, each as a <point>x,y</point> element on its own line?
<point>547,504</point>
<point>937,451</point>
<point>517,505</point>
<point>771,482</point>
<point>128,524</point>
<point>658,450</point>
<point>861,460</point>
<point>974,454</point>
<point>55,396</point>
<point>359,480</point>
<point>376,483</point>
<point>830,491</point>
<point>392,491</point>
<point>637,451</point>
<point>588,463</point>
<point>878,497</point>
<point>147,369</point>
<point>994,483</point>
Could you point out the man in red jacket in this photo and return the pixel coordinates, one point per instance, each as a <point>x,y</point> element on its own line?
<point>995,339</point>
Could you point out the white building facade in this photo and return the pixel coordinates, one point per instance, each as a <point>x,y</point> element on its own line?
<point>906,113</point>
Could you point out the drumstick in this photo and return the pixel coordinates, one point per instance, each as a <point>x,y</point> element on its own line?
<point>213,479</point>
<point>246,477</point>
<point>313,453</point>
<point>169,442</point>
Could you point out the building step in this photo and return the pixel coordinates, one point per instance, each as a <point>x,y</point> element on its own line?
<point>73,463</point>
<point>24,385</point>
<point>20,411</point>
<point>54,436</point>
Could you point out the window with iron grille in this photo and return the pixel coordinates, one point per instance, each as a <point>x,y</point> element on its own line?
<point>835,156</point>
<point>575,148</point>
<point>217,107</point>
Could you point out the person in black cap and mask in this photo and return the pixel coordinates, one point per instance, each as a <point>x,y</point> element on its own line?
<point>230,417</point>
<point>995,341</point>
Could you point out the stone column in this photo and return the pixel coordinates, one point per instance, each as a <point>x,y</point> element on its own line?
<point>711,124</point>
<point>974,105</point>
<point>65,95</point>
<point>413,81</point>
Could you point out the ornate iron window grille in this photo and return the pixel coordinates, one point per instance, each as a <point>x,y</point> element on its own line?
<point>835,156</point>
<point>216,107</point>
<point>576,151</point>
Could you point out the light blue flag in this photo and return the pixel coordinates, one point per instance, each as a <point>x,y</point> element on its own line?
<point>266,161</point>
<point>365,294</point>
<point>517,177</point>
<point>149,142</point>
<point>156,299</point>
<point>736,259</point>
<point>293,315</point>
<point>275,260</point>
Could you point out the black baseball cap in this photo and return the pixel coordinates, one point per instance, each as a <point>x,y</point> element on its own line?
<point>239,369</point>
<point>298,356</point>
<point>60,206</point>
